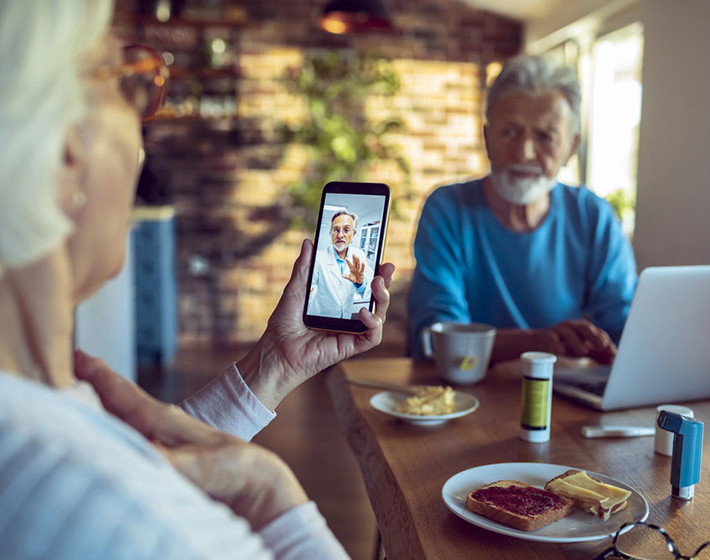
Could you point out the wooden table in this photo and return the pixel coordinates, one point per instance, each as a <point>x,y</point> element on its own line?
<point>405,466</point>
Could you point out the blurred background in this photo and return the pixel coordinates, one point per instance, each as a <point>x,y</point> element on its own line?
<point>267,101</point>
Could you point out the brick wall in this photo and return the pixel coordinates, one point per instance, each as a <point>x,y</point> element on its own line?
<point>226,177</point>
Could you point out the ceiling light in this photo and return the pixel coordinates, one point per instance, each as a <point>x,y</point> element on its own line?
<point>348,16</point>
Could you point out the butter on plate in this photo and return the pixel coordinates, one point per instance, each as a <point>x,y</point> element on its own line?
<point>588,493</point>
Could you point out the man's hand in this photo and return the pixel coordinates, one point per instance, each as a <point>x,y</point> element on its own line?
<point>357,270</point>
<point>576,338</point>
<point>252,481</point>
<point>289,353</point>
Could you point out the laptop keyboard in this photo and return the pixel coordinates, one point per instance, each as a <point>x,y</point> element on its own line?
<point>595,387</point>
<point>590,380</point>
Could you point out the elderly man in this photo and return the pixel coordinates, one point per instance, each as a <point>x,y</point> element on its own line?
<point>545,263</point>
<point>340,272</point>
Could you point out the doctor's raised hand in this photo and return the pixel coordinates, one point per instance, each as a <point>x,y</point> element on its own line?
<point>289,353</point>
<point>356,272</point>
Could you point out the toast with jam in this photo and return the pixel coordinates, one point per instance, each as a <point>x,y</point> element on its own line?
<point>518,505</point>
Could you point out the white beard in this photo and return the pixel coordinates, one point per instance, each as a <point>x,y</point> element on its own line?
<point>522,191</point>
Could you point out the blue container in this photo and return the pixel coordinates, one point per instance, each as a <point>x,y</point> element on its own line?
<point>153,238</point>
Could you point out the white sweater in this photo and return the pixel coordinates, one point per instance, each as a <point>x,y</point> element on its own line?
<point>76,483</point>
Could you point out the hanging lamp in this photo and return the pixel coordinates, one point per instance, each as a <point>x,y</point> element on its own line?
<point>348,16</point>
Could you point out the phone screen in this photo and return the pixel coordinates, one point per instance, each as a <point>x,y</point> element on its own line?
<point>348,247</point>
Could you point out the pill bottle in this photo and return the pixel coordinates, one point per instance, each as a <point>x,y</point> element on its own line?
<point>537,396</point>
<point>663,442</point>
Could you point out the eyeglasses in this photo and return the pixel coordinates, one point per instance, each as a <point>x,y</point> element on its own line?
<point>645,541</point>
<point>336,231</point>
<point>142,78</point>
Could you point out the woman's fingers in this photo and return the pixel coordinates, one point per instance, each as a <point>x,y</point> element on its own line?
<point>119,396</point>
<point>382,297</point>
<point>369,319</point>
<point>157,421</point>
<point>299,275</point>
<point>386,270</point>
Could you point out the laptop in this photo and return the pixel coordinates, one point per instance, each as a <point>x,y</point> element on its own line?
<point>664,351</point>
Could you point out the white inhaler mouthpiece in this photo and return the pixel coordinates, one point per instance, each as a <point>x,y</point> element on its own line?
<point>537,396</point>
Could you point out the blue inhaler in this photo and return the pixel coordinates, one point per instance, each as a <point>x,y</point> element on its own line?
<point>687,452</point>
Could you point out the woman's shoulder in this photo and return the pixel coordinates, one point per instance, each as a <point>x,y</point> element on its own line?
<point>69,471</point>
<point>62,415</point>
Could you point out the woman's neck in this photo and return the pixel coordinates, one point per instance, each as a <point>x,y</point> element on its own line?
<point>36,321</point>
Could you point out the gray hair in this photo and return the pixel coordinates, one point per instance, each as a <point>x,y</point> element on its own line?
<point>535,75</point>
<point>41,98</point>
<point>344,213</point>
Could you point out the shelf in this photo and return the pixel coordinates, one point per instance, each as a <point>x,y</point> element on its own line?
<point>183,72</point>
<point>145,19</point>
<point>192,119</point>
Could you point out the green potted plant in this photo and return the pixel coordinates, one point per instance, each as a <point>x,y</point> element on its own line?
<point>341,141</point>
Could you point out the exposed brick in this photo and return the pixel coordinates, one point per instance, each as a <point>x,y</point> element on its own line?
<point>228,179</point>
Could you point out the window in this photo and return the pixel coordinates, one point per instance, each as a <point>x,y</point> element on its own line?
<point>615,114</point>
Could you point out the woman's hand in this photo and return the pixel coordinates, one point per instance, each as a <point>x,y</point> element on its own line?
<point>253,481</point>
<point>289,353</point>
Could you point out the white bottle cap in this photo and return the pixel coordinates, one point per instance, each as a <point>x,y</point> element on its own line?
<point>663,443</point>
<point>538,364</point>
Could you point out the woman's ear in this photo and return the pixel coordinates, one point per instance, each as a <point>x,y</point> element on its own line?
<point>72,197</point>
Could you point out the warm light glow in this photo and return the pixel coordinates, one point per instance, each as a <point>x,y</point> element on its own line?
<point>168,57</point>
<point>219,46</point>
<point>492,71</point>
<point>159,81</point>
<point>334,25</point>
<point>163,11</point>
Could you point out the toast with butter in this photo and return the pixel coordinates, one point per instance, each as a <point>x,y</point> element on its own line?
<point>589,494</point>
<point>518,505</point>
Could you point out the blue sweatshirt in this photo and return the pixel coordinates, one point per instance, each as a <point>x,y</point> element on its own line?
<point>471,268</point>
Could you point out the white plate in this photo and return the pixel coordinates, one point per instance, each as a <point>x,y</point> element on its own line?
<point>387,402</point>
<point>580,526</point>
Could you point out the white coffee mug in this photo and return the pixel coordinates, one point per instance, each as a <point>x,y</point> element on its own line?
<point>461,351</point>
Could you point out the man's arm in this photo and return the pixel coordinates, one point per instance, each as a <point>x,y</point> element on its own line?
<point>576,338</point>
<point>611,282</point>
<point>612,275</point>
<point>438,291</point>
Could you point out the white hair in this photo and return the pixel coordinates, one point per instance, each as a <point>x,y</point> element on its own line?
<point>41,97</point>
<point>535,75</point>
<point>344,213</point>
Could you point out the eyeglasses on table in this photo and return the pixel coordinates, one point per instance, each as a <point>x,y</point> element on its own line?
<point>645,541</point>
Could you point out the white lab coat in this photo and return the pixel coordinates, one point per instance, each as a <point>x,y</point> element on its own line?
<point>332,295</point>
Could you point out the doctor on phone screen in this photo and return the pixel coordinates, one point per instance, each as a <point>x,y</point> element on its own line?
<point>340,271</point>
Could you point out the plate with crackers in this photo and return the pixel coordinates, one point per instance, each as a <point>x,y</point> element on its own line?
<point>543,502</point>
<point>428,405</point>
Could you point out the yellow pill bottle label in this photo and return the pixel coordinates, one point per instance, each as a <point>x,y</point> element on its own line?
<point>536,396</point>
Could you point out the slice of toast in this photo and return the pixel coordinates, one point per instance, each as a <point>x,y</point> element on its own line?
<point>518,505</point>
<point>590,494</point>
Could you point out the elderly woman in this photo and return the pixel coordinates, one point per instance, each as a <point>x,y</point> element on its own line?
<point>96,468</point>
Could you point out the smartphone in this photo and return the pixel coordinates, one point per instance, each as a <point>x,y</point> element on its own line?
<point>349,240</point>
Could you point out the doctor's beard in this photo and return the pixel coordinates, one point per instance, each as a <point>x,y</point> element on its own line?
<point>340,245</point>
<point>522,191</point>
